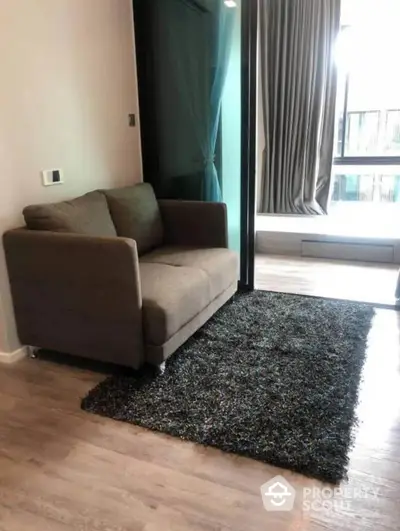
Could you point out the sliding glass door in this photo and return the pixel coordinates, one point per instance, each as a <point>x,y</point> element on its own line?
<point>230,129</point>
<point>195,59</point>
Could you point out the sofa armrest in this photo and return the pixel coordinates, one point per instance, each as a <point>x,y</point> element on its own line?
<point>195,223</point>
<point>77,294</point>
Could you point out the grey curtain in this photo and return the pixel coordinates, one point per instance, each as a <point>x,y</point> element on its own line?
<point>298,93</point>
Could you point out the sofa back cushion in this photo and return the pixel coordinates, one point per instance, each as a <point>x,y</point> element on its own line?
<point>87,215</point>
<point>136,214</point>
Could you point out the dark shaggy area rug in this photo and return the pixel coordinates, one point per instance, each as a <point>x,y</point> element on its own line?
<point>271,376</point>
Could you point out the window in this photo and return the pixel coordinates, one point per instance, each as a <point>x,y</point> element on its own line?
<point>367,141</point>
<point>369,184</point>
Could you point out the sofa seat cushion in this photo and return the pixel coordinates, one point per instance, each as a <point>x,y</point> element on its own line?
<point>87,215</point>
<point>136,215</point>
<point>220,265</point>
<point>172,296</point>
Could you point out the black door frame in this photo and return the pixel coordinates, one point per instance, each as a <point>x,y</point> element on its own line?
<point>142,24</point>
<point>248,143</point>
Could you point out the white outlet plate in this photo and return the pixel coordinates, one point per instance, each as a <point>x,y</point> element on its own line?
<point>49,177</point>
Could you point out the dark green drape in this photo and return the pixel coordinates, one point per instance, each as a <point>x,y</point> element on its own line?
<point>191,43</point>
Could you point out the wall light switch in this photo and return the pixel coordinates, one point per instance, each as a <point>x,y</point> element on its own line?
<point>132,120</point>
<point>50,177</point>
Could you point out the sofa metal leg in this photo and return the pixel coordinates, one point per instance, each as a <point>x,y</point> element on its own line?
<point>33,352</point>
<point>161,368</point>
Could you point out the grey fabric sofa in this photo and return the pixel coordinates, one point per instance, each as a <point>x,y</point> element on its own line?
<point>118,276</point>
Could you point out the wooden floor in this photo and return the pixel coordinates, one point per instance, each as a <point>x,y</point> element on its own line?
<point>359,281</point>
<point>61,468</point>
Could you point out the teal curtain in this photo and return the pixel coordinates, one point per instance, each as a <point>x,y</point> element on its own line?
<point>192,43</point>
<point>224,31</point>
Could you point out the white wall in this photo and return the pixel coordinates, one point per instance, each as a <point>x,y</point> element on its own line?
<point>67,85</point>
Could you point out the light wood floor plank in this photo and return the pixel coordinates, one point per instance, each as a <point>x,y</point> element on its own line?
<point>359,281</point>
<point>62,468</point>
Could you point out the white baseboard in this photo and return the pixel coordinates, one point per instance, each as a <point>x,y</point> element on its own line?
<point>348,251</point>
<point>328,246</point>
<point>13,357</point>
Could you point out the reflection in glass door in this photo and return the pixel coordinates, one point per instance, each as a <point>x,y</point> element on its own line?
<point>191,76</point>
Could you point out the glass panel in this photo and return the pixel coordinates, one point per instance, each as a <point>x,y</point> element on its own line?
<point>190,68</point>
<point>392,133</point>
<point>344,41</point>
<point>367,53</point>
<point>367,184</point>
<point>231,134</point>
<point>339,115</point>
<point>362,133</point>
